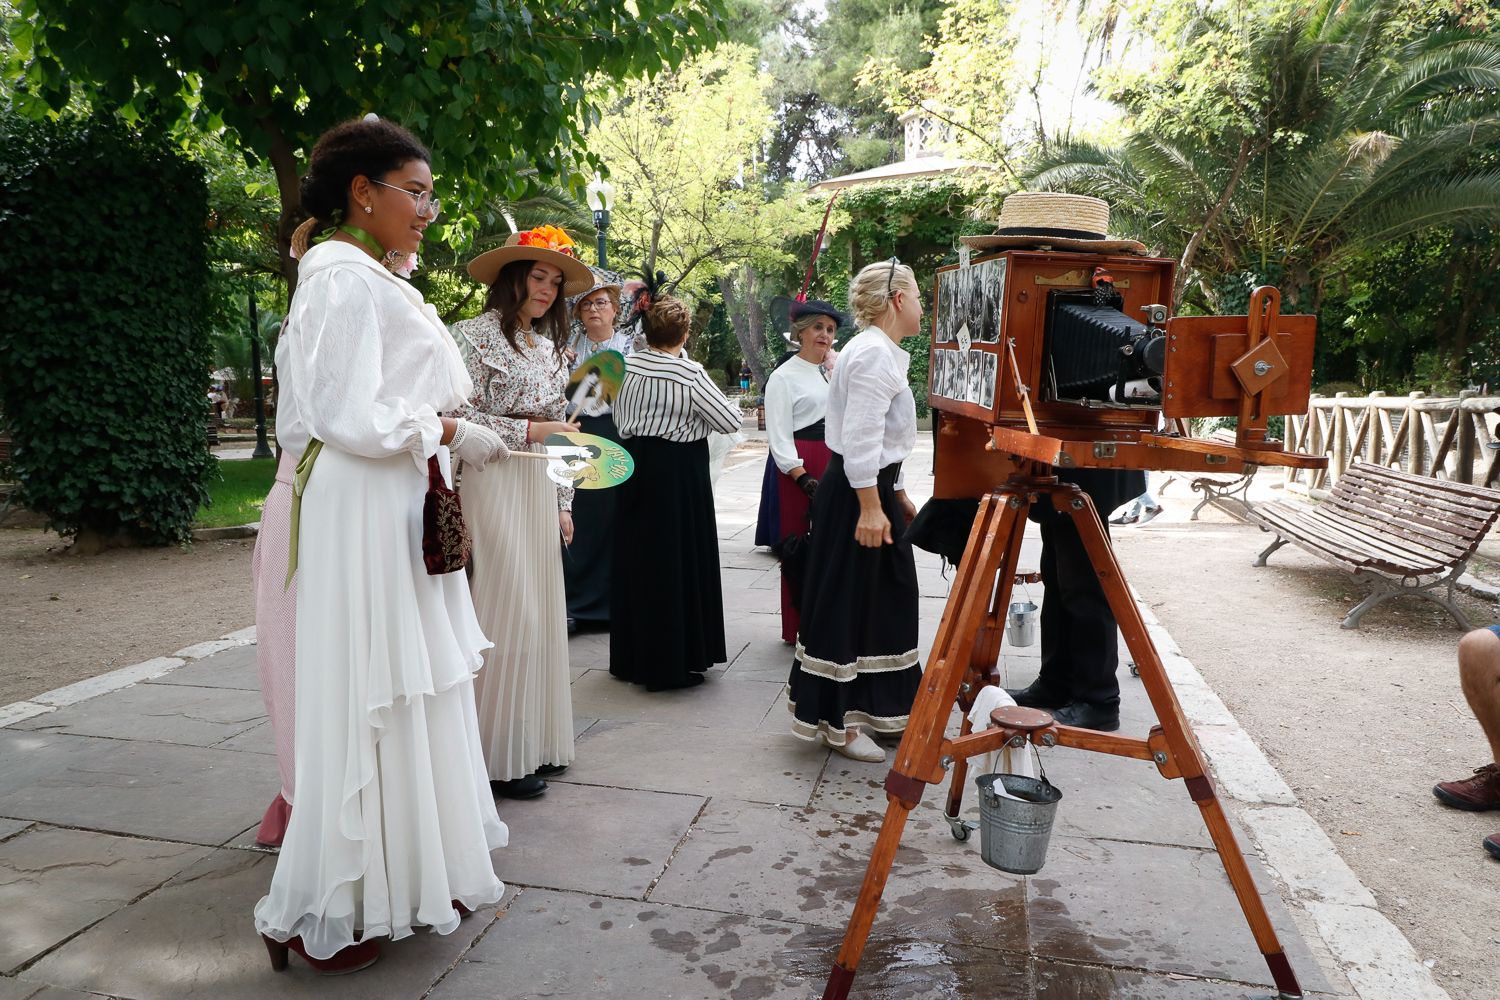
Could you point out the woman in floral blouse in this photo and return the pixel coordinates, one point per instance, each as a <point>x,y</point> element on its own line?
<point>515,357</point>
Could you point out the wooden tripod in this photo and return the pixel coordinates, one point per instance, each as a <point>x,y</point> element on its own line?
<point>962,660</point>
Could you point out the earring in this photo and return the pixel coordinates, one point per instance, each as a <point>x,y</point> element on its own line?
<point>368,210</point>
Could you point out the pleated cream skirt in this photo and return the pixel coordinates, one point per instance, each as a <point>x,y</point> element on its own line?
<point>523,694</point>
<point>394,817</point>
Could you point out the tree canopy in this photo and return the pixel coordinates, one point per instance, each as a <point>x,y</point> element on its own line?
<point>500,91</point>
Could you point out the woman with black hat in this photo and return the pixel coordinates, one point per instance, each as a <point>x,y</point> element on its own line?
<point>796,401</point>
<point>588,559</point>
<point>516,512</point>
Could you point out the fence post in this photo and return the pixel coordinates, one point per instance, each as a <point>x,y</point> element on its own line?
<point>1463,444</point>
<point>1340,441</point>
<point>1416,435</point>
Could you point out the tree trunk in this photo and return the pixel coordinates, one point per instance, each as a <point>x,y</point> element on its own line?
<point>740,289</point>
<point>1191,250</point>
<point>284,164</point>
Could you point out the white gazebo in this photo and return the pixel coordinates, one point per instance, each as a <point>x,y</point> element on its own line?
<point>927,140</point>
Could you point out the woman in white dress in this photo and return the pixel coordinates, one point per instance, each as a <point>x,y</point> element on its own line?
<point>394,822</point>
<point>516,512</point>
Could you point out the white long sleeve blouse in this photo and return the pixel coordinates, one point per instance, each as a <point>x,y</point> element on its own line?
<point>872,415</point>
<point>796,397</point>
<point>365,364</point>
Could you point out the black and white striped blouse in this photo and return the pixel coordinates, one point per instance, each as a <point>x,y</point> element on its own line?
<point>671,397</point>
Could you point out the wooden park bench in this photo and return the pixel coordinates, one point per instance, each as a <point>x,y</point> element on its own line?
<point>1397,533</point>
<point>1215,488</point>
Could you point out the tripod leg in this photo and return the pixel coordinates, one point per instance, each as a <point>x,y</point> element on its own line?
<point>994,540</point>
<point>1186,753</point>
<point>981,672</point>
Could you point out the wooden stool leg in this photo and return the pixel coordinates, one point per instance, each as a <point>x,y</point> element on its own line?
<point>870,891</point>
<point>994,541</point>
<point>1186,755</point>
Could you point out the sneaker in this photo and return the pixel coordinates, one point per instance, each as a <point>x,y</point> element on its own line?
<point>1479,793</point>
<point>1147,514</point>
<point>861,748</point>
<point>1492,844</point>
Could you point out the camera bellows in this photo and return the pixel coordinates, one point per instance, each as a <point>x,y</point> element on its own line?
<point>1096,350</point>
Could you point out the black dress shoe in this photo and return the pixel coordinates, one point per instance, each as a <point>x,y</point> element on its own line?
<point>572,626</point>
<point>548,770</point>
<point>1037,695</point>
<point>1087,715</point>
<point>528,787</point>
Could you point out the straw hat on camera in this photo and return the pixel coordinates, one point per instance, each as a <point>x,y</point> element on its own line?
<point>1055,221</point>
<point>547,244</point>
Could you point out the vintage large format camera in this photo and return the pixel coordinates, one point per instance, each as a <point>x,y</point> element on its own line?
<point>1086,343</point>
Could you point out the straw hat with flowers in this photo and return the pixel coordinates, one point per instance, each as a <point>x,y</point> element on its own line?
<point>547,244</point>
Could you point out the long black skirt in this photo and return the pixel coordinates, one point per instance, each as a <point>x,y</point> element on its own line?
<point>586,563</point>
<point>856,659</point>
<point>666,603</point>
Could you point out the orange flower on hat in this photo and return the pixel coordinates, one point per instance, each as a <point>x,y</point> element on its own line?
<point>548,238</point>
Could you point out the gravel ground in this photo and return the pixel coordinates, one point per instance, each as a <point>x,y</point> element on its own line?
<point>1360,723</point>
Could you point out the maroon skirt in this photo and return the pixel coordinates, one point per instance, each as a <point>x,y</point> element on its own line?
<point>794,511</point>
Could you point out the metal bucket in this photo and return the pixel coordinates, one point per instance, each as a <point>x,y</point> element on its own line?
<point>1021,623</point>
<point>1014,832</point>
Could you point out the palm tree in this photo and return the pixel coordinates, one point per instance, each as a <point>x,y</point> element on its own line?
<point>1358,131</point>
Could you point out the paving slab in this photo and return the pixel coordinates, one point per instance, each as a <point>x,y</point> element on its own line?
<point>54,883</point>
<point>11,827</point>
<point>713,705</point>
<point>24,989</point>
<point>193,939</point>
<point>577,946</point>
<point>191,794</point>
<point>1156,908</point>
<point>762,660</point>
<point>257,739</point>
<point>610,841</point>
<point>161,713</point>
<point>1060,981</point>
<point>756,767</point>
<point>235,668</point>
<point>798,864</point>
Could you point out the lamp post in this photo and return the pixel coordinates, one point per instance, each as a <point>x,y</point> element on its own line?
<point>262,448</point>
<point>601,198</point>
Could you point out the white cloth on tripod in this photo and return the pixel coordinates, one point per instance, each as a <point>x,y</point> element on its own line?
<point>1006,760</point>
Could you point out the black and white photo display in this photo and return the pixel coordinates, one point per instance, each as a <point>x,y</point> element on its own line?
<point>965,376</point>
<point>971,296</point>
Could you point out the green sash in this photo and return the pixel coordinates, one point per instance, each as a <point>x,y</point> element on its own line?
<point>299,484</point>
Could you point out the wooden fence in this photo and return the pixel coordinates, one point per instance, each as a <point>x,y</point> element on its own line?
<point>1453,438</point>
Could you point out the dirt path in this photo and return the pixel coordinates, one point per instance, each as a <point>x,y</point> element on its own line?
<point>69,617</point>
<point>1360,723</point>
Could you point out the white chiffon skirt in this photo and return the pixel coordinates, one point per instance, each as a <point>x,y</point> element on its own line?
<point>394,817</point>
<point>524,697</point>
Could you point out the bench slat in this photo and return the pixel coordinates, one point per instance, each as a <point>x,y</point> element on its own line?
<point>1418,530</point>
<point>1401,499</point>
<point>1349,543</point>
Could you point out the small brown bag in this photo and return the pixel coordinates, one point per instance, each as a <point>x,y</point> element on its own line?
<point>445,536</point>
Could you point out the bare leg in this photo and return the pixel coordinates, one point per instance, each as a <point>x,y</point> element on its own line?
<point>1479,670</point>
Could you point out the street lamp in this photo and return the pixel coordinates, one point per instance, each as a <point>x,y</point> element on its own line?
<point>601,198</point>
<point>262,448</point>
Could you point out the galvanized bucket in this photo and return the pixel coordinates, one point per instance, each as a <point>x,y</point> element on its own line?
<point>1014,832</point>
<point>1021,623</point>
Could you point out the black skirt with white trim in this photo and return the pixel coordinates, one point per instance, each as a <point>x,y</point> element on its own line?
<point>856,659</point>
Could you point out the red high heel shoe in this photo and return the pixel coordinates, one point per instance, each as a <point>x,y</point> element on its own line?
<point>463,911</point>
<point>360,955</point>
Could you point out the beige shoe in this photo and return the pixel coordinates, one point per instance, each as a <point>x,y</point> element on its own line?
<point>862,748</point>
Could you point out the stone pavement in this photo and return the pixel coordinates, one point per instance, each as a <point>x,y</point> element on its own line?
<point>695,849</point>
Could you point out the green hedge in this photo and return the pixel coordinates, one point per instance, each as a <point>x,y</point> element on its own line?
<point>104,336</point>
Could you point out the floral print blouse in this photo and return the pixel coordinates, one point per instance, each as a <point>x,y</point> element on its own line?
<point>512,385</point>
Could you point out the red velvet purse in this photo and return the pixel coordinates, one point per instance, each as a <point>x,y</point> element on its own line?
<point>445,536</point>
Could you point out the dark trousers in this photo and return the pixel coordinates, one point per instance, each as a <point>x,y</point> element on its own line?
<point>1080,651</point>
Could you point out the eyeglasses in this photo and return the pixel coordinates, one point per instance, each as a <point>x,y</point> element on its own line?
<point>593,304</point>
<point>427,205</point>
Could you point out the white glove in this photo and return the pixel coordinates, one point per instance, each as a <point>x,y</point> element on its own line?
<point>476,445</point>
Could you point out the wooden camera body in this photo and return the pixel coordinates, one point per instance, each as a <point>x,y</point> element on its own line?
<point>1068,359</point>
